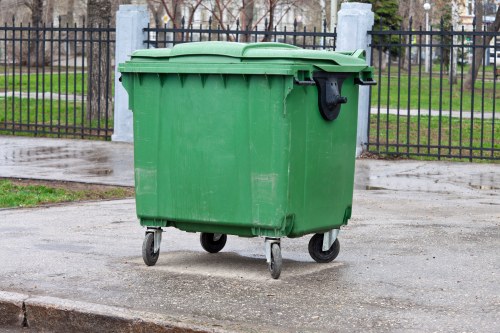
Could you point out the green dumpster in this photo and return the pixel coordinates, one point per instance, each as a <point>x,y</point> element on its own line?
<point>245,139</point>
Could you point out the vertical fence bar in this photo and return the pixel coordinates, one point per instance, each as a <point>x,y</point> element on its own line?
<point>21,124</point>
<point>75,55</point>
<point>84,73</point>
<point>368,143</point>
<point>398,108</point>
<point>379,93</point>
<point>451,78</point>
<point>59,47</point>
<point>5,74</point>
<point>429,49</point>
<point>462,91</point>
<point>473,88</point>
<point>440,119</point>
<point>483,49</point>
<point>44,27</point>
<point>237,30</point>
<point>99,73</point>
<point>495,68</point>
<point>29,75</point>
<point>108,74</point>
<point>314,38</point>
<point>12,111</point>
<point>408,119</point>
<point>419,98</point>
<point>51,43</point>
<point>37,45</point>
<point>66,99</point>
<point>324,35</point>
<point>90,71</point>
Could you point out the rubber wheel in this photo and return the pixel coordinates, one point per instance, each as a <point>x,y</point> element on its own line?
<point>211,245</point>
<point>316,249</point>
<point>276,261</point>
<point>148,250</point>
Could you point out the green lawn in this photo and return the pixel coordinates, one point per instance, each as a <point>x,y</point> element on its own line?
<point>57,83</point>
<point>430,94</point>
<point>46,116</point>
<point>486,135</point>
<point>17,194</point>
<point>46,83</point>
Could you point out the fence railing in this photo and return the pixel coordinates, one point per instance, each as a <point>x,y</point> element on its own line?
<point>318,39</point>
<point>56,80</point>
<point>425,103</point>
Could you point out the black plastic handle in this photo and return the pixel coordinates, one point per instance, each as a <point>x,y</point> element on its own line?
<point>330,97</point>
<point>361,82</point>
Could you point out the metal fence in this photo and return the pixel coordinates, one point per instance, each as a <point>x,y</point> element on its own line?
<point>315,38</point>
<point>424,104</point>
<point>56,80</point>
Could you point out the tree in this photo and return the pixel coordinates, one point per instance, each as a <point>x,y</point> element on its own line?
<point>41,14</point>
<point>470,79</point>
<point>98,68</point>
<point>386,18</point>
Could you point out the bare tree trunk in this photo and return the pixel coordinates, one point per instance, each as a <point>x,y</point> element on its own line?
<point>98,14</point>
<point>272,7</point>
<point>455,17</point>
<point>246,18</point>
<point>478,51</point>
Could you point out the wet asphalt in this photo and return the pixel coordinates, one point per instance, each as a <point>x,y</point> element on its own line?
<point>420,254</point>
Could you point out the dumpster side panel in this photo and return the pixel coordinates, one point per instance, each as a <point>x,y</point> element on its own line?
<point>216,146</point>
<point>146,89</point>
<point>321,161</point>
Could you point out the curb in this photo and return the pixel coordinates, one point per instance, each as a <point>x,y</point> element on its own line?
<point>51,314</point>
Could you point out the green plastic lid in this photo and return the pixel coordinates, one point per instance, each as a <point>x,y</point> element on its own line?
<point>265,58</point>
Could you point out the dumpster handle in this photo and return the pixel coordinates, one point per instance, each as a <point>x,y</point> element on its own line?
<point>304,83</point>
<point>368,82</point>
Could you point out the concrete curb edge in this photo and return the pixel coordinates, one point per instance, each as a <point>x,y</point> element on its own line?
<point>51,314</point>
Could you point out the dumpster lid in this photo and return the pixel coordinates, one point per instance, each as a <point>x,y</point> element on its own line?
<point>233,52</point>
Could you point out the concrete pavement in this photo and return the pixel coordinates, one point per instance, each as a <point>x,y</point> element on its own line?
<point>419,255</point>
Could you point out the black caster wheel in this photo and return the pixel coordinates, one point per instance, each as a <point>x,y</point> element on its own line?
<point>148,250</point>
<point>276,261</point>
<point>212,243</point>
<point>316,249</point>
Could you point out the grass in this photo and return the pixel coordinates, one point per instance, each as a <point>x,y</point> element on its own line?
<point>75,83</point>
<point>429,96</point>
<point>424,139</point>
<point>46,116</point>
<point>27,194</point>
<point>56,83</point>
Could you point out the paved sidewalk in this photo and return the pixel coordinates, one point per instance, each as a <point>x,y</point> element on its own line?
<point>85,161</point>
<point>419,255</point>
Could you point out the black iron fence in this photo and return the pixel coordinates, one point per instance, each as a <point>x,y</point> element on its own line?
<point>437,93</point>
<point>315,38</point>
<point>56,80</point>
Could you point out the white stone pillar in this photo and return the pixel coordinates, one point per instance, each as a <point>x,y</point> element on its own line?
<point>130,22</point>
<point>354,22</point>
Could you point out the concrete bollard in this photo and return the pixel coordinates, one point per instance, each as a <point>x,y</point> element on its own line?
<point>354,22</point>
<point>130,22</point>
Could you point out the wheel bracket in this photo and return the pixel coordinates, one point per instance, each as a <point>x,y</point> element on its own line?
<point>157,237</point>
<point>329,238</point>
<point>268,244</point>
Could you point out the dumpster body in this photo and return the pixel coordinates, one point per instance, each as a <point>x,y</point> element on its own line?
<point>244,139</point>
